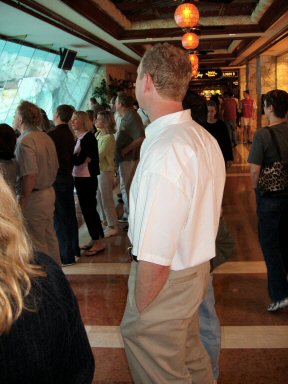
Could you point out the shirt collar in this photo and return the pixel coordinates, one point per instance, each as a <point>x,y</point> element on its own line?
<point>82,135</point>
<point>159,125</point>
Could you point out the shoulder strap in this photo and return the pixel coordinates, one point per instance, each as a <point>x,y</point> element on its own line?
<point>273,137</point>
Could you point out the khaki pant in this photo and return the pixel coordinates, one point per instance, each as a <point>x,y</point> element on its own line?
<point>39,218</point>
<point>162,343</point>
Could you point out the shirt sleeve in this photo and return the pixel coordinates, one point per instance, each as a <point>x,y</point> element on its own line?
<point>26,158</point>
<point>159,220</point>
<point>136,129</point>
<point>256,155</point>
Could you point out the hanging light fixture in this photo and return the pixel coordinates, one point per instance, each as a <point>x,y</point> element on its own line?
<point>194,72</point>
<point>186,15</point>
<point>194,59</point>
<point>190,40</point>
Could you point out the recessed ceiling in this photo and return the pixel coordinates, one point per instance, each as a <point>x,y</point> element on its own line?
<point>118,32</point>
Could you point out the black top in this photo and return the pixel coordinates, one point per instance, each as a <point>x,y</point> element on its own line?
<point>64,142</point>
<point>89,148</point>
<point>220,132</point>
<point>48,345</point>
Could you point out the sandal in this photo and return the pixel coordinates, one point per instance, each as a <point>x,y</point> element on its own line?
<point>93,252</point>
<point>86,247</point>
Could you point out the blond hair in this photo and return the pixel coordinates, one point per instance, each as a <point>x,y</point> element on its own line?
<point>16,260</point>
<point>84,117</point>
<point>169,68</point>
<point>109,121</point>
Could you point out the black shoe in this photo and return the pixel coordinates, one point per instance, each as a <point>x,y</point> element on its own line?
<point>67,264</point>
<point>123,219</point>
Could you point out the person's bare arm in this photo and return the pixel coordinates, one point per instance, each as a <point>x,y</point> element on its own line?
<point>254,172</point>
<point>151,278</point>
<point>28,183</point>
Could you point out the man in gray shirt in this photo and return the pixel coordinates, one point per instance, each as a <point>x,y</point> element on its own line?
<point>128,142</point>
<point>38,165</point>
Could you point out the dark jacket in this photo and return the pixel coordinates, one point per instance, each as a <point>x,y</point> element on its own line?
<point>48,345</point>
<point>64,142</point>
<point>89,148</point>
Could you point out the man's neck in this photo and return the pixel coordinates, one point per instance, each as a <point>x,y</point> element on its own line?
<point>123,111</point>
<point>163,109</point>
<point>59,122</point>
<point>274,120</point>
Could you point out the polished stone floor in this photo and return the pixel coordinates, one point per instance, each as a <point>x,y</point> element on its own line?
<point>254,342</point>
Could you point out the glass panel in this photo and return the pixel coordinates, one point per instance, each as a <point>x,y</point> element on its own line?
<point>33,74</point>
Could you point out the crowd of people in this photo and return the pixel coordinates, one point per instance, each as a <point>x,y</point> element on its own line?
<point>169,193</point>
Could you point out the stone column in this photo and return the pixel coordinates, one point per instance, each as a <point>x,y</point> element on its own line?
<point>266,81</point>
<point>251,84</point>
<point>243,81</point>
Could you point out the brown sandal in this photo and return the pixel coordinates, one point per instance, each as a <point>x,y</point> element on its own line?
<point>93,252</point>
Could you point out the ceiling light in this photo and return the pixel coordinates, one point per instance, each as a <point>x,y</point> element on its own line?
<point>190,40</point>
<point>194,59</point>
<point>186,15</point>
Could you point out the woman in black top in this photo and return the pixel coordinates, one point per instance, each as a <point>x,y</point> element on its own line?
<point>42,336</point>
<point>85,172</point>
<point>218,129</point>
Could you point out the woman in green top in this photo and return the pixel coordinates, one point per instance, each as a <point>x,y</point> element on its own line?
<point>105,125</point>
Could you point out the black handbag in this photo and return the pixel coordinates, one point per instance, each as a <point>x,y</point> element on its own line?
<point>273,178</point>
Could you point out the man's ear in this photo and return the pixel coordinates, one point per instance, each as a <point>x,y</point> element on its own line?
<point>148,82</point>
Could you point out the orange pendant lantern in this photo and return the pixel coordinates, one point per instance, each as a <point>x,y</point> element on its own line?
<point>194,59</point>
<point>194,72</point>
<point>190,40</point>
<point>186,15</point>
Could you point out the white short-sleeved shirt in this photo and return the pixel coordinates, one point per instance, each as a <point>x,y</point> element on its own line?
<point>176,193</point>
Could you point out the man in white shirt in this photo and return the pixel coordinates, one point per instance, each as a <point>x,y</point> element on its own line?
<point>175,202</point>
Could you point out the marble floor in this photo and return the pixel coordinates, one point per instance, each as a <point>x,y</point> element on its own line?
<point>254,342</point>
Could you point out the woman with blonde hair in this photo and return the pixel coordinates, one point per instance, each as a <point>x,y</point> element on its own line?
<point>42,336</point>
<point>105,125</point>
<point>85,172</point>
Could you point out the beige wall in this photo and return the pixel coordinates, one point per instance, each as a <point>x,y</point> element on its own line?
<point>262,74</point>
<point>121,72</point>
<point>282,72</point>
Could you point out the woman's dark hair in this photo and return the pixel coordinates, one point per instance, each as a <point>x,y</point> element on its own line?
<point>279,100</point>
<point>7,142</point>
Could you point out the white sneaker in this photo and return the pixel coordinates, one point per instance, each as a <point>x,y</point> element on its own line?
<point>109,232</point>
<point>278,305</point>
